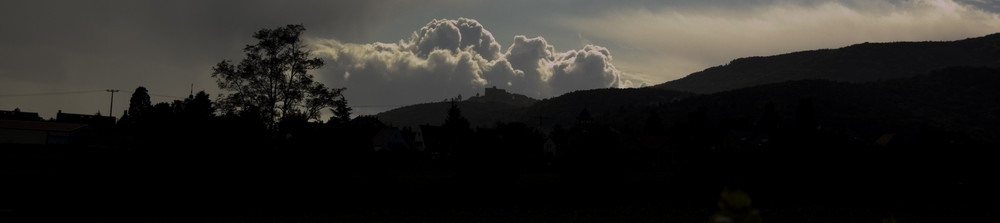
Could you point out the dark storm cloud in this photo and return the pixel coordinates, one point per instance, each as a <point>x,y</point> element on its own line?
<point>51,46</point>
<point>987,5</point>
<point>448,57</point>
<point>136,33</point>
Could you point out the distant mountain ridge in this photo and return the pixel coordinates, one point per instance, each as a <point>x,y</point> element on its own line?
<point>955,100</point>
<point>863,62</point>
<point>955,103</point>
<point>491,108</point>
<point>495,105</point>
<point>910,89</point>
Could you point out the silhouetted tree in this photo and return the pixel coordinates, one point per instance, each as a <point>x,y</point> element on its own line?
<point>292,123</point>
<point>139,103</point>
<point>700,131</point>
<point>455,122</point>
<point>198,107</point>
<point>454,134</point>
<point>158,120</point>
<point>584,117</point>
<point>769,120</point>
<point>653,124</point>
<point>273,80</point>
<point>559,135</point>
<point>805,115</point>
<point>341,112</point>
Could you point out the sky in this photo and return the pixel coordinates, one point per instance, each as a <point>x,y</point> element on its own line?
<point>63,55</point>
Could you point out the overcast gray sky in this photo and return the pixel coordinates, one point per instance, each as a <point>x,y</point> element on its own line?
<point>393,53</point>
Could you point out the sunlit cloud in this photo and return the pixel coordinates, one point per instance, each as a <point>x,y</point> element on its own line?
<point>446,58</point>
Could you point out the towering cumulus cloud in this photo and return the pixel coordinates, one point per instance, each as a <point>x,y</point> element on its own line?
<point>446,58</point>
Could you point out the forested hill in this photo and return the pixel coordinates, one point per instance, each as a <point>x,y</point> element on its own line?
<point>951,104</point>
<point>912,90</point>
<point>857,63</point>
<point>495,105</point>
<point>957,104</point>
<point>479,113</point>
<point>486,112</point>
<point>605,104</point>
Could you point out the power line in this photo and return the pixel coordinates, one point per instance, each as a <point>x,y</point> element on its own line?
<point>376,106</point>
<point>162,95</point>
<point>78,92</point>
<point>157,95</point>
<point>50,93</point>
<point>165,96</point>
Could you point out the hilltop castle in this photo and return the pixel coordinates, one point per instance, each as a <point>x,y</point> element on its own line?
<point>494,94</point>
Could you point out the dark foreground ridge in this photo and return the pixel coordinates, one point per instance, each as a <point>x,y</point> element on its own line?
<point>866,184</point>
<point>803,151</point>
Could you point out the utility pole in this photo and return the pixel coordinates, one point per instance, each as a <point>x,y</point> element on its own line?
<point>111,110</point>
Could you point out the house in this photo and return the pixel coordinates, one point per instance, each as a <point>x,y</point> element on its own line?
<point>389,139</point>
<point>40,132</point>
<point>740,139</point>
<point>95,121</point>
<point>497,95</point>
<point>418,141</point>
<point>434,141</point>
<point>550,147</point>
<point>17,114</point>
<point>495,92</point>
